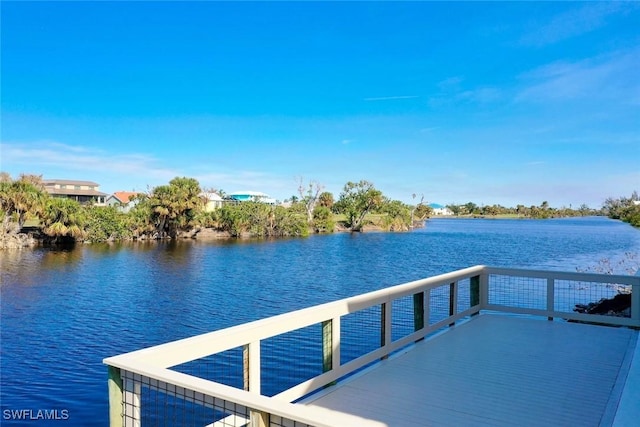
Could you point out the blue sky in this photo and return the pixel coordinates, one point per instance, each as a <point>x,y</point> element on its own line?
<point>496,102</point>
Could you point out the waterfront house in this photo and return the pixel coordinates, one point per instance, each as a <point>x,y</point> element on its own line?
<point>212,201</point>
<point>440,209</point>
<point>252,196</point>
<point>84,192</point>
<point>122,200</point>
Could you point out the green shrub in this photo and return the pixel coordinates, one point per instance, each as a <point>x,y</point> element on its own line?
<point>106,223</point>
<point>323,221</point>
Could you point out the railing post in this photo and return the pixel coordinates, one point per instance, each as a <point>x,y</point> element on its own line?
<point>484,289</point>
<point>385,325</point>
<point>418,312</point>
<point>259,419</point>
<point>635,301</point>
<point>335,337</point>
<point>474,292</point>
<point>427,306</point>
<point>251,366</point>
<point>550,296</point>
<point>330,345</point>
<point>131,403</point>
<point>245,367</point>
<point>452,300</point>
<point>327,346</point>
<point>115,396</point>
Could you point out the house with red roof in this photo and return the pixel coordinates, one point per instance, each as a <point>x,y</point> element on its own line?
<point>122,200</point>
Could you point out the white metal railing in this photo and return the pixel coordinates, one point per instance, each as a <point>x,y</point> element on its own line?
<point>402,314</point>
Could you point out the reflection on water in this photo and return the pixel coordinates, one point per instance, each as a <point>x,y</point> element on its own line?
<point>64,310</point>
<point>61,258</point>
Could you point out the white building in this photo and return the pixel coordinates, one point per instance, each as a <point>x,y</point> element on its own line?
<point>440,210</point>
<point>252,196</point>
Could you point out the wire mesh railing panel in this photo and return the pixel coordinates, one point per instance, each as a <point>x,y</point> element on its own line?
<point>439,303</point>
<point>162,409</point>
<point>515,291</point>
<point>587,297</point>
<point>225,367</point>
<point>360,333</point>
<point>291,358</point>
<point>403,319</point>
<point>150,402</point>
<point>464,295</point>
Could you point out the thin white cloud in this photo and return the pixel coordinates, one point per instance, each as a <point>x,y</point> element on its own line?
<point>574,22</point>
<point>46,154</point>
<point>131,171</point>
<point>612,76</point>
<point>481,95</point>
<point>452,91</point>
<point>68,148</point>
<point>455,95</point>
<point>429,129</point>
<point>391,98</point>
<point>449,83</point>
<point>238,180</point>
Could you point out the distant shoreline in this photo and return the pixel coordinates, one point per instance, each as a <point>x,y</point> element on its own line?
<point>504,216</point>
<point>32,240</point>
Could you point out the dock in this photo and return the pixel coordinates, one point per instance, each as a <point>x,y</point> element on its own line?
<point>482,346</point>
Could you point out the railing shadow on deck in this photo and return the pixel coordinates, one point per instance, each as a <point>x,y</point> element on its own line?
<point>249,374</point>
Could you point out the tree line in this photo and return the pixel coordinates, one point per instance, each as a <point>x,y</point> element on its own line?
<point>541,211</point>
<point>626,209</point>
<point>178,209</point>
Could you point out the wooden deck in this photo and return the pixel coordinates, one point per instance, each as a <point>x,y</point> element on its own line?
<point>495,370</point>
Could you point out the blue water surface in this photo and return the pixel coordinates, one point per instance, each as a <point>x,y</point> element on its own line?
<point>64,311</point>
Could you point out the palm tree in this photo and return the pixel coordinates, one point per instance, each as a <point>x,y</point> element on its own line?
<point>175,206</point>
<point>21,200</point>
<point>64,218</point>
<point>326,199</point>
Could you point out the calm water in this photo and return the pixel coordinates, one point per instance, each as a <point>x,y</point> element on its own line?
<point>63,311</point>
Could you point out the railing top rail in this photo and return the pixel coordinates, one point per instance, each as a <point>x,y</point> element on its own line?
<point>565,275</point>
<point>187,349</point>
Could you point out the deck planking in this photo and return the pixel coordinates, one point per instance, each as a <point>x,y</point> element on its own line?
<point>494,370</point>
